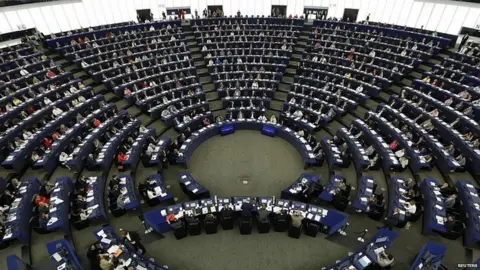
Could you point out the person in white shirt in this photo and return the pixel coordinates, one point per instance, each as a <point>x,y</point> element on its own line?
<point>239,60</point>
<point>186,118</point>
<point>210,62</point>
<point>403,53</point>
<point>262,118</point>
<point>152,28</point>
<point>255,85</point>
<point>410,207</point>
<point>84,64</point>
<point>372,53</point>
<point>46,100</point>
<point>301,133</point>
<point>359,89</point>
<point>24,72</point>
<point>273,119</point>
<point>150,149</point>
<point>240,115</point>
<point>151,194</point>
<point>204,48</point>
<point>298,114</point>
<point>57,111</point>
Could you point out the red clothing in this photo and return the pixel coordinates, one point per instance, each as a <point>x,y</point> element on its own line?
<point>31,110</point>
<point>127,91</point>
<point>96,123</point>
<point>121,158</point>
<point>41,199</point>
<point>144,85</point>
<point>81,41</point>
<point>393,145</point>
<point>47,143</point>
<point>50,74</point>
<point>170,218</point>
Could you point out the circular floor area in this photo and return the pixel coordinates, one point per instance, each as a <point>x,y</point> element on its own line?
<point>222,164</point>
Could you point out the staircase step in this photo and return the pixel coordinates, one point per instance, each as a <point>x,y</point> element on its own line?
<point>88,82</point>
<point>281,95</point>
<point>284,87</point>
<point>211,95</point>
<point>215,105</point>
<point>122,104</point>
<point>291,71</point>
<point>109,97</point>
<point>425,68</point>
<point>134,111</point>
<point>208,87</point>
<point>416,75</point>
<point>200,64</point>
<point>287,79</point>
<point>201,71</point>
<point>205,79</point>
<point>99,89</point>
<point>276,105</point>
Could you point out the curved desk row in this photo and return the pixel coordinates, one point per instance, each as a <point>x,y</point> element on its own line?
<point>50,160</point>
<point>435,213</point>
<point>17,226</point>
<point>192,187</point>
<point>301,188</point>
<point>390,161</point>
<point>138,147</point>
<point>20,158</point>
<point>59,209</point>
<point>429,257</point>
<point>127,189</point>
<point>445,162</point>
<point>63,255</point>
<point>109,151</point>
<point>385,127</point>
<point>332,219</point>
<point>205,133</point>
<point>446,133</point>
<point>163,144</point>
<point>470,201</point>
<point>444,42</point>
<point>355,148</point>
<point>126,253</point>
<point>160,191</point>
<point>80,153</point>
<point>335,158</point>
<point>52,43</point>
<point>366,255</point>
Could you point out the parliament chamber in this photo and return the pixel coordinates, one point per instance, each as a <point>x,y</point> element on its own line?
<point>212,134</point>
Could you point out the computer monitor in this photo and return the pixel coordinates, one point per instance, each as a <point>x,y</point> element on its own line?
<point>364,261</point>
<point>381,239</point>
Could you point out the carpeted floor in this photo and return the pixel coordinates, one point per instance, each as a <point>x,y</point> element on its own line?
<point>268,165</point>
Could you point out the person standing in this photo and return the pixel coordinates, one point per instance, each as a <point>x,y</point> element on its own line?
<point>134,239</point>
<point>464,41</point>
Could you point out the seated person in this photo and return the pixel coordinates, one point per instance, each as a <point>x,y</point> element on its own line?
<point>383,259</point>
<point>41,200</point>
<point>297,219</point>
<point>273,119</point>
<point>450,201</point>
<point>449,223</point>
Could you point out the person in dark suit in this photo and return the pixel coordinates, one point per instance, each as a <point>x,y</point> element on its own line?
<point>263,215</point>
<point>134,239</point>
<point>247,208</point>
<point>392,220</point>
<point>450,223</point>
